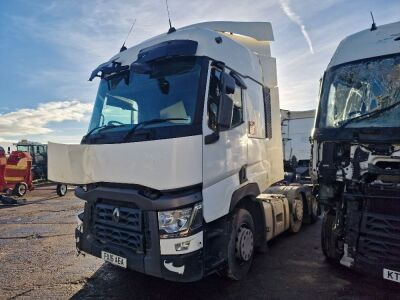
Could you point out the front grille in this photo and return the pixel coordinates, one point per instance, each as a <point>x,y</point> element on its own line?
<point>383,201</point>
<point>125,231</point>
<point>129,218</point>
<point>379,241</point>
<point>119,237</point>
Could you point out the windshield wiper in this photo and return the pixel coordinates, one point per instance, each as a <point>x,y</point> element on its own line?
<point>99,129</point>
<point>148,122</point>
<point>369,115</point>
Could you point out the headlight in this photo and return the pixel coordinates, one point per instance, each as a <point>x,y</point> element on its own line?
<point>179,221</point>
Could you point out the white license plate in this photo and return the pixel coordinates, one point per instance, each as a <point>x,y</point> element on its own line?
<point>391,275</point>
<point>114,259</point>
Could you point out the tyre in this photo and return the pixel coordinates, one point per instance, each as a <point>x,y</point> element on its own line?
<point>296,216</point>
<point>329,240</point>
<point>241,245</point>
<point>61,189</point>
<point>20,189</point>
<point>312,210</point>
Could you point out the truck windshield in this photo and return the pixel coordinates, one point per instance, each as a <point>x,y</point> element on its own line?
<point>170,92</point>
<point>357,94</point>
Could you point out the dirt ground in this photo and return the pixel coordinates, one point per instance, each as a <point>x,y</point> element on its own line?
<point>38,260</point>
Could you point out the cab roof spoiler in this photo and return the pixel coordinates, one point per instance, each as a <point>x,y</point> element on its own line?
<point>261,31</point>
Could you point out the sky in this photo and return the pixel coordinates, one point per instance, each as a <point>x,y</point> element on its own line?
<point>48,48</point>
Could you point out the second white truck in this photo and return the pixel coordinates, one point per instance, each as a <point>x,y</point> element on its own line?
<point>184,150</point>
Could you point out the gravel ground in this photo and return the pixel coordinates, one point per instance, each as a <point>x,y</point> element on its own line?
<point>38,261</point>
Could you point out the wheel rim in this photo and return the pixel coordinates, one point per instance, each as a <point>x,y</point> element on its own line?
<point>21,189</point>
<point>244,243</point>
<point>299,210</point>
<point>63,189</point>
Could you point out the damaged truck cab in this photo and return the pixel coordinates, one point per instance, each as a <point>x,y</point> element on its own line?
<point>185,136</point>
<point>356,152</point>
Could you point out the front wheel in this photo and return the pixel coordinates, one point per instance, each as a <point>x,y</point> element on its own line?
<point>330,243</point>
<point>241,244</point>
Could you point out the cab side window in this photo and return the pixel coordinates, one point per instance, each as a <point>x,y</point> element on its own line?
<point>236,97</point>
<point>214,94</point>
<point>213,102</point>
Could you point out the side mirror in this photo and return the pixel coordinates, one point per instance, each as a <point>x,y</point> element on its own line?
<point>228,82</point>
<point>225,112</point>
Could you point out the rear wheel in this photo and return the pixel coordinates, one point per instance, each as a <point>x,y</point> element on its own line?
<point>241,244</point>
<point>330,243</point>
<point>296,216</point>
<point>312,210</point>
<point>20,189</point>
<point>61,189</point>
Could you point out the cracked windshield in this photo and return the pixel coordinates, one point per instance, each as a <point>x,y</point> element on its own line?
<point>365,90</point>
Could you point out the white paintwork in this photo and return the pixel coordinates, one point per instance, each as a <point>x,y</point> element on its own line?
<point>296,131</point>
<point>261,31</point>
<point>234,54</point>
<point>254,102</point>
<point>217,197</point>
<point>238,147</point>
<point>276,210</point>
<point>160,164</point>
<point>367,43</point>
<point>170,267</point>
<point>273,146</point>
<point>167,246</point>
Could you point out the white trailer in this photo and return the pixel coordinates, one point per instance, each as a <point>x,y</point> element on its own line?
<point>184,141</point>
<point>296,133</point>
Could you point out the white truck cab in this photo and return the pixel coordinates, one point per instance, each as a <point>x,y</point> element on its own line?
<point>184,137</point>
<point>356,152</point>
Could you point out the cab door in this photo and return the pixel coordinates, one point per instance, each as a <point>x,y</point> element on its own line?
<point>224,152</point>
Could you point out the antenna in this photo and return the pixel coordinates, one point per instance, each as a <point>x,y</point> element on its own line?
<point>373,26</point>
<point>171,29</point>
<point>123,48</point>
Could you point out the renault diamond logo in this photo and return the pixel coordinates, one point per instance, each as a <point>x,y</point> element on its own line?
<point>115,215</point>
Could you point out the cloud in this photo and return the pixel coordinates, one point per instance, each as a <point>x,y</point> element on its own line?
<point>27,122</point>
<point>297,20</point>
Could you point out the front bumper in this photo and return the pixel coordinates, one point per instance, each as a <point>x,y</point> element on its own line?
<point>143,254</point>
<point>372,231</point>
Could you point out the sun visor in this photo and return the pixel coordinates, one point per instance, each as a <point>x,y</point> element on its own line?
<point>168,49</point>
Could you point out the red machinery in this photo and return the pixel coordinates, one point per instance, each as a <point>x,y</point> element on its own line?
<point>16,172</point>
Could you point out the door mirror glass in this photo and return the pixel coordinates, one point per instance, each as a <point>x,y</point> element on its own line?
<point>225,112</point>
<point>228,83</point>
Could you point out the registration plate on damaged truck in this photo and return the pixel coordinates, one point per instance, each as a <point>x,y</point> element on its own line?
<point>114,259</point>
<point>391,275</point>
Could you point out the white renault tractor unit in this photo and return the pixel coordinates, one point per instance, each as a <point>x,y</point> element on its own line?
<point>184,141</point>
<point>356,153</point>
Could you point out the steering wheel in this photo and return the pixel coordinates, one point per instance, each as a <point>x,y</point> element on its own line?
<point>113,122</point>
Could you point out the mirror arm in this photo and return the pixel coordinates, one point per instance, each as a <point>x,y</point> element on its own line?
<point>211,138</point>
